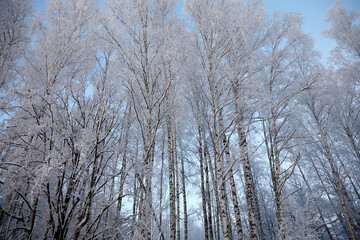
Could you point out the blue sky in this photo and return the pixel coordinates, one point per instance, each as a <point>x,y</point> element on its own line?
<point>313,12</point>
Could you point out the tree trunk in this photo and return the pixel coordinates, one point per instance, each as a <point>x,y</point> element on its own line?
<point>223,202</point>
<point>184,198</point>
<point>176,174</point>
<point>161,181</point>
<point>123,164</point>
<point>248,176</point>
<point>203,197</point>
<point>208,198</point>
<point>248,180</point>
<point>318,208</point>
<point>258,213</point>
<point>336,178</point>
<point>171,181</point>
<point>232,182</point>
<point>215,187</point>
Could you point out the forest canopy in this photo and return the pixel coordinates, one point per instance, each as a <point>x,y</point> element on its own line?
<point>119,119</point>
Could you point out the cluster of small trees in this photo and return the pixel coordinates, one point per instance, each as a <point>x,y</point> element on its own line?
<point>122,120</point>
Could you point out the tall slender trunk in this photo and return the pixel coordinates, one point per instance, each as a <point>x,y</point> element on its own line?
<point>135,196</point>
<point>223,202</point>
<point>232,182</point>
<point>273,153</point>
<point>338,214</point>
<point>33,216</point>
<point>317,207</point>
<point>123,165</point>
<point>208,200</point>
<point>258,212</point>
<point>203,197</point>
<point>230,231</point>
<point>184,198</point>
<point>248,180</point>
<point>134,205</point>
<point>280,214</point>
<point>335,174</point>
<point>248,176</point>
<point>176,174</point>
<point>171,181</point>
<point>149,148</point>
<point>161,181</point>
<point>220,178</point>
<point>336,179</point>
<point>215,187</point>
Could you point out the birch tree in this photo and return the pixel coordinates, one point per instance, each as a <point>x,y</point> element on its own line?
<point>116,115</point>
<point>212,44</point>
<point>14,22</point>
<point>66,141</point>
<point>282,84</point>
<point>137,32</point>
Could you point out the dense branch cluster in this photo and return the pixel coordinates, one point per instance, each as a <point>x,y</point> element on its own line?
<point>122,120</point>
